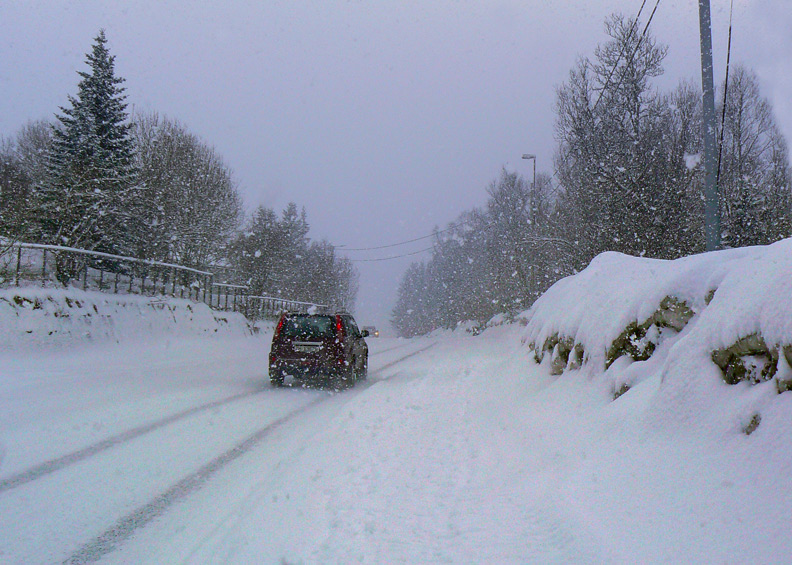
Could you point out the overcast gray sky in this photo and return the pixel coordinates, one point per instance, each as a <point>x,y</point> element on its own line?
<point>383,119</point>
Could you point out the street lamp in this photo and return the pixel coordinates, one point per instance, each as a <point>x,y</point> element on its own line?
<point>529,156</point>
<point>533,184</point>
<point>532,217</point>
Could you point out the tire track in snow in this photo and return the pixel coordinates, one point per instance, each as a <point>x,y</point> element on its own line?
<point>58,463</point>
<point>399,360</point>
<point>391,349</point>
<point>124,528</point>
<point>70,459</point>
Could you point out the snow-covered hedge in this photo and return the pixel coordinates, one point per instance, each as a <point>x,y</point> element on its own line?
<point>51,317</point>
<point>726,313</point>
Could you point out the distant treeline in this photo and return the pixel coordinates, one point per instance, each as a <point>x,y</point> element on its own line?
<point>628,178</point>
<point>145,186</point>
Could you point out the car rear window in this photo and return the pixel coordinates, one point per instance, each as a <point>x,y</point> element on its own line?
<point>308,327</point>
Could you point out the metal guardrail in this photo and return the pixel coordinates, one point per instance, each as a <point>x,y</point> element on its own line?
<point>33,263</point>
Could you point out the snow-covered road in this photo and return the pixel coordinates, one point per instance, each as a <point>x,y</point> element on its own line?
<point>96,443</point>
<point>457,449</point>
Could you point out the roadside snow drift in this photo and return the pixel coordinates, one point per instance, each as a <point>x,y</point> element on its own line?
<point>35,317</point>
<point>698,322</point>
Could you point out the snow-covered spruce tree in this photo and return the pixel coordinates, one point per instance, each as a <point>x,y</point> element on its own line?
<point>290,249</point>
<point>252,252</point>
<point>14,192</point>
<point>345,289</point>
<point>91,195</point>
<point>327,278</point>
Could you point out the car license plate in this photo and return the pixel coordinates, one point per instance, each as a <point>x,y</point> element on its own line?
<point>307,348</point>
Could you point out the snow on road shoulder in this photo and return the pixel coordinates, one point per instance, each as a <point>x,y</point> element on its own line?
<point>76,366</point>
<point>32,318</point>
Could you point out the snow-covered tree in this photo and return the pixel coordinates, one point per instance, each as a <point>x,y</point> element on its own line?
<point>274,256</point>
<point>490,261</point>
<point>412,314</point>
<point>14,194</point>
<point>292,244</point>
<point>191,206</point>
<point>23,172</point>
<point>617,162</point>
<point>754,183</point>
<point>253,251</point>
<point>91,195</point>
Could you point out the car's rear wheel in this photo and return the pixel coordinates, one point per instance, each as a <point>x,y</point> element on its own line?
<point>362,368</point>
<point>276,377</point>
<point>345,378</point>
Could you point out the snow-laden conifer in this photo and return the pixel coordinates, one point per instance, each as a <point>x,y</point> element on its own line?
<point>90,197</point>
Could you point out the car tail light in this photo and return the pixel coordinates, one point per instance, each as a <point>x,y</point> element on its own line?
<point>339,341</point>
<point>278,328</point>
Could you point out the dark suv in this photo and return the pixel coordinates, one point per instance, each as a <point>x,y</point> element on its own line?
<point>318,346</point>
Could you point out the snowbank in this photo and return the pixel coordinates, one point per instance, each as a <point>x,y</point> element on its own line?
<point>35,317</point>
<point>698,322</point>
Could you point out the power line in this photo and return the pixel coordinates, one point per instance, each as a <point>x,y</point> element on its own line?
<point>392,257</point>
<point>725,91</point>
<point>451,227</point>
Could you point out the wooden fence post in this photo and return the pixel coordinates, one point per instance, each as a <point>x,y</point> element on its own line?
<point>44,268</point>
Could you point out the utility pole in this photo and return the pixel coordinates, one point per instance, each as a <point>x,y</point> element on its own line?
<point>711,205</point>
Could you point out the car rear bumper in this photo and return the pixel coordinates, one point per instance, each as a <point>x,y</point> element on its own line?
<point>302,369</point>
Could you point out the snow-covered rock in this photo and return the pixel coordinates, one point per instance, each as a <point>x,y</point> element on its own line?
<point>699,322</point>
